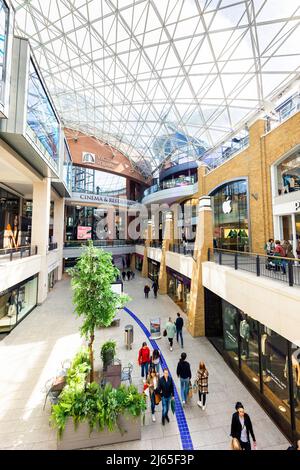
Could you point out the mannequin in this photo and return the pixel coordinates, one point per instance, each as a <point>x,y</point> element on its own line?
<point>296,375</point>
<point>245,335</point>
<point>264,356</point>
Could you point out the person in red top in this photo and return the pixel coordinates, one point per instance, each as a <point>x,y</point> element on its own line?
<point>144,359</point>
<point>279,251</point>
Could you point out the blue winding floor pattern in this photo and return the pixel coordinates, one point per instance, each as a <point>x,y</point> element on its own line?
<point>186,440</point>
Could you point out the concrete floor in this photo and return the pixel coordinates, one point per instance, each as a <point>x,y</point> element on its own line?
<point>34,351</point>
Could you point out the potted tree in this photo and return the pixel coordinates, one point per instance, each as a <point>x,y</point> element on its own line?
<point>93,296</point>
<point>108,352</point>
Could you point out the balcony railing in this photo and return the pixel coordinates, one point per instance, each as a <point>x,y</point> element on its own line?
<point>173,183</point>
<point>11,254</point>
<point>52,246</point>
<point>99,243</point>
<point>283,112</point>
<point>183,249</point>
<point>274,267</point>
<point>224,152</point>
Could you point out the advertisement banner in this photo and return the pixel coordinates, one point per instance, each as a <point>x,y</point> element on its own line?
<point>155,328</point>
<point>84,233</point>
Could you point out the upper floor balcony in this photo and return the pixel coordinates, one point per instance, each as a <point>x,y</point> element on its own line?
<point>216,157</point>
<point>170,190</point>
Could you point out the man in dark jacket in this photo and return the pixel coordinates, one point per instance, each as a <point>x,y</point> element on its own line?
<point>155,289</point>
<point>166,390</point>
<point>241,427</point>
<point>179,326</point>
<point>185,375</point>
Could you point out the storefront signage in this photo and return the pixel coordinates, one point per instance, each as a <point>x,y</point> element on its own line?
<point>84,233</point>
<point>226,206</point>
<point>179,277</point>
<point>155,328</point>
<point>297,205</point>
<point>102,199</point>
<point>282,207</point>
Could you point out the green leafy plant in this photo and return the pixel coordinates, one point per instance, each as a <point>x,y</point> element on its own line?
<point>93,296</point>
<point>100,407</point>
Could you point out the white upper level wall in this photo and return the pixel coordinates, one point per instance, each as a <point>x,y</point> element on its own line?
<point>13,272</point>
<point>154,253</point>
<point>272,303</point>
<point>180,263</point>
<point>139,249</point>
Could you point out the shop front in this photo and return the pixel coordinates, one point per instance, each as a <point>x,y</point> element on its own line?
<point>153,269</point>
<point>139,262</point>
<point>230,213</point>
<point>287,220</point>
<point>267,363</point>
<point>179,288</point>
<point>16,303</point>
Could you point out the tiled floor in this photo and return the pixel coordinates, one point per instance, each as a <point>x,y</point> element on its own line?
<point>33,353</point>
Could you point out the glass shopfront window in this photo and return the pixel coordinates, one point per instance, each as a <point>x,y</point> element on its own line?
<point>251,349</point>
<point>288,174</point>
<point>16,303</point>
<point>230,209</point>
<point>139,262</point>
<point>4,18</point>
<point>295,365</point>
<point>41,116</point>
<point>274,361</point>
<point>10,229</point>
<point>231,320</point>
<point>179,289</point>
<point>249,337</point>
<point>153,269</point>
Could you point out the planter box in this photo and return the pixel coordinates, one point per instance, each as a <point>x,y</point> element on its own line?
<point>81,439</point>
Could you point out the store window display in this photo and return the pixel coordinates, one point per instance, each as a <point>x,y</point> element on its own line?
<point>27,297</point>
<point>295,363</point>
<point>230,210</point>
<point>231,329</point>
<point>274,350</point>
<point>249,347</point>
<point>8,311</point>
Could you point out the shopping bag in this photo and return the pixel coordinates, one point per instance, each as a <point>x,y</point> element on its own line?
<point>173,405</point>
<point>190,392</point>
<point>165,333</point>
<point>157,397</point>
<point>195,387</point>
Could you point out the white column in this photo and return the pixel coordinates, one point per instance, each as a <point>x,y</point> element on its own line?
<point>40,230</point>
<point>294,235</point>
<point>58,231</point>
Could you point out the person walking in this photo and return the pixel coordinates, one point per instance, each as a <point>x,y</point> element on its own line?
<point>146,291</point>
<point>128,275</point>
<point>202,383</point>
<point>132,274</point>
<point>171,330</point>
<point>241,427</point>
<point>144,359</point>
<point>155,360</point>
<point>166,390</point>
<point>152,382</point>
<point>123,275</point>
<point>155,288</point>
<point>185,375</point>
<point>179,326</point>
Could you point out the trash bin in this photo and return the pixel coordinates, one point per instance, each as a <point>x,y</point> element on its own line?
<point>128,336</point>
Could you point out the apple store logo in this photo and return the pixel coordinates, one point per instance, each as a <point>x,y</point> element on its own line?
<point>227,206</point>
<point>88,157</point>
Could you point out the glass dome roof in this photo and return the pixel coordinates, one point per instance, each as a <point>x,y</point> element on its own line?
<point>124,70</point>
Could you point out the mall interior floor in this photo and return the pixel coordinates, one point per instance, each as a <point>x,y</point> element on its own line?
<point>33,352</point>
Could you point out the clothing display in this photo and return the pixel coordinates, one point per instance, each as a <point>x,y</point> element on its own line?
<point>245,335</point>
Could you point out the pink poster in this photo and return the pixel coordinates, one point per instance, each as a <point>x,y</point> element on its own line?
<point>84,233</point>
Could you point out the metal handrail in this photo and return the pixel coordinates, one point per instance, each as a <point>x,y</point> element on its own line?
<point>31,249</point>
<point>256,254</point>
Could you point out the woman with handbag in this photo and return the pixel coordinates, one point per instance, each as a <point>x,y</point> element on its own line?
<point>202,382</point>
<point>170,329</point>
<point>155,360</point>
<point>152,382</point>
<point>144,359</point>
